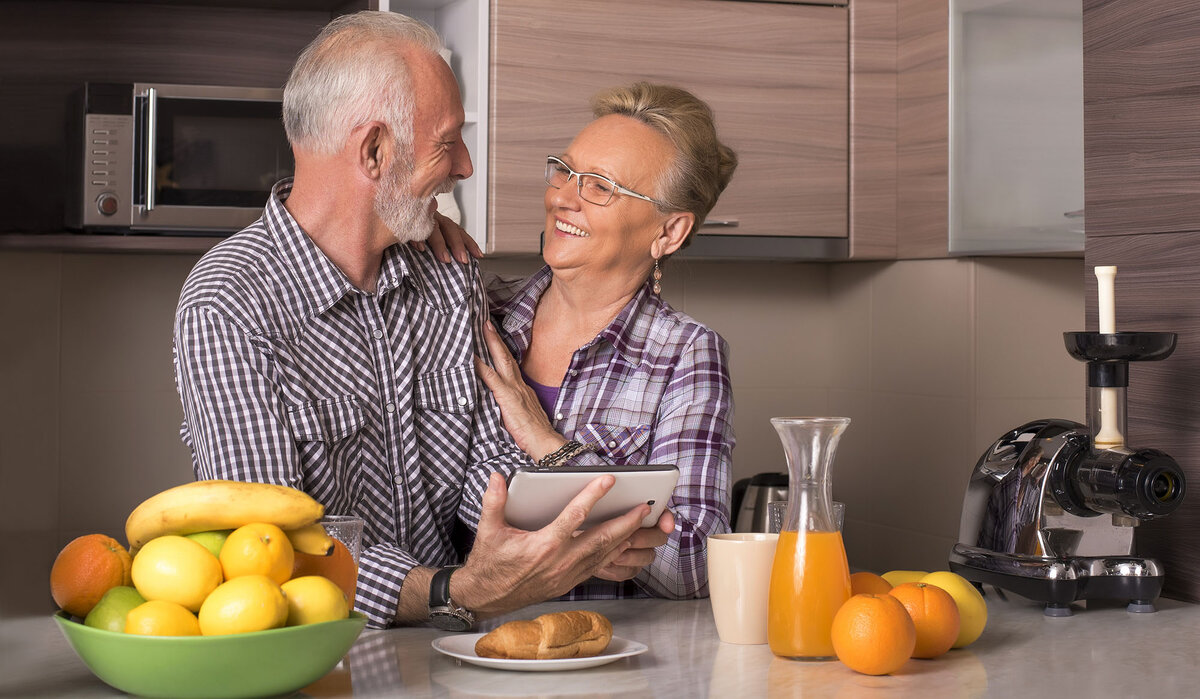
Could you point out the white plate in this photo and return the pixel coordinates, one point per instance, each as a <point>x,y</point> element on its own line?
<point>462,647</point>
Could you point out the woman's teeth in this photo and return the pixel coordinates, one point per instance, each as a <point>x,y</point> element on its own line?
<point>569,229</point>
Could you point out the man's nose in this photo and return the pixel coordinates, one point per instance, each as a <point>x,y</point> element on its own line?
<point>461,167</point>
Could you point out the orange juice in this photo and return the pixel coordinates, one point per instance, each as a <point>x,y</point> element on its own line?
<point>810,580</point>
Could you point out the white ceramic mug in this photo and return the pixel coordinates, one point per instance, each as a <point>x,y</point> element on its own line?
<point>739,580</point>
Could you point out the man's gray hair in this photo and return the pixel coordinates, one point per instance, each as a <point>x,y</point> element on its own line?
<point>351,74</point>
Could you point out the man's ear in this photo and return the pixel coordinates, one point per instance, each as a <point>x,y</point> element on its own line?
<point>674,232</point>
<point>373,149</point>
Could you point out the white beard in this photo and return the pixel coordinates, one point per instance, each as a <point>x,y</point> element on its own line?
<point>409,218</point>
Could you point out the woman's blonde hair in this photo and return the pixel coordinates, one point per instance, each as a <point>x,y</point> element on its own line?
<point>703,165</point>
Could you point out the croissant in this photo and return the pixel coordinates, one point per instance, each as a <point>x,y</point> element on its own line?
<point>571,634</point>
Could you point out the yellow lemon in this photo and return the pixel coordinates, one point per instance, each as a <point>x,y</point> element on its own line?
<point>899,577</point>
<point>312,599</point>
<point>161,618</point>
<point>175,569</point>
<point>972,609</point>
<point>258,549</point>
<point>246,603</point>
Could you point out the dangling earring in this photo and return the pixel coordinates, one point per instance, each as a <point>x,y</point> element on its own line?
<point>656,275</point>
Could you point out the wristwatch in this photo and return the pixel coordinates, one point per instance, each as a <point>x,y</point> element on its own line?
<point>443,612</point>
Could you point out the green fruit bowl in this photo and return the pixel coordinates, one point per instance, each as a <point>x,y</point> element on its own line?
<point>263,663</point>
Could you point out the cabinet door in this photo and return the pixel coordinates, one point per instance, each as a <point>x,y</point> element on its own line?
<point>1141,113</point>
<point>776,75</point>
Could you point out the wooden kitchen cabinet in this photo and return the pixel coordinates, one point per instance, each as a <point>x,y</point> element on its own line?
<point>1142,177</point>
<point>776,75</point>
<point>1142,114</point>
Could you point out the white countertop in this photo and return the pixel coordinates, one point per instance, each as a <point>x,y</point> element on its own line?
<point>1101,651</point>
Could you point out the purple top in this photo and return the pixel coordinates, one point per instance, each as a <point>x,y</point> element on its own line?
<point>546,395</point>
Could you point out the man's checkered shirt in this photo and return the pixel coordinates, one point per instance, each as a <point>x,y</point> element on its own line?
<point>367,401</point>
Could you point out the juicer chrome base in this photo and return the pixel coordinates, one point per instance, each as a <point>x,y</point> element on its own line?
<point>1051,518</point>
<point>1058,582</point>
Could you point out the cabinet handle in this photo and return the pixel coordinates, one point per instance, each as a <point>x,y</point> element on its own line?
<point>720,223</point>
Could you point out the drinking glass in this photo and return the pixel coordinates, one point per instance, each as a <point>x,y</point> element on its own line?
<point>347,529</point>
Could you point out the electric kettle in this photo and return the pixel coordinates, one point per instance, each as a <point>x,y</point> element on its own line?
<point>750,498</point>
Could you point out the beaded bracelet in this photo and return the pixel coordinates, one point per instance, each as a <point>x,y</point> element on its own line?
<point>563,454</point>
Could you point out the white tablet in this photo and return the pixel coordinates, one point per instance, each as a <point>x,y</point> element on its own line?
<point>537,496</point>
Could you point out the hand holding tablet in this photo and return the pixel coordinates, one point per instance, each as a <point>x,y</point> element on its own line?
<point>536,496</point>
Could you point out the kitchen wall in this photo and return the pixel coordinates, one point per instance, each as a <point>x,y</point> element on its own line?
<point>932,359</point>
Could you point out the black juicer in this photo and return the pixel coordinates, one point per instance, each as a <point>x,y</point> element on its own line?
<point>1051,506</point>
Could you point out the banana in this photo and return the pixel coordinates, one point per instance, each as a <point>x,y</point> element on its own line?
<point>311,539</point>
<point>206,505</point>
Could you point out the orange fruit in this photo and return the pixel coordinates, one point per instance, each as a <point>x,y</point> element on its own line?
<point>258,549</point>
<point>338,567</point>
<point>873,634</point>
<point>934,614</point>
<point>864,583</point>
<point>85,569</point>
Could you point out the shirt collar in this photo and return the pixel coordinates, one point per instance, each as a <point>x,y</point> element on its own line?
<point>627,333</point>
<point>320,281</point>
<point>519,309</point>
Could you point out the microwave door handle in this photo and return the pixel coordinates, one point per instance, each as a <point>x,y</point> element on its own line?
<point>151,139</point>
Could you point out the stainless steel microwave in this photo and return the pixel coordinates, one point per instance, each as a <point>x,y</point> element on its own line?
<point>157,158</point>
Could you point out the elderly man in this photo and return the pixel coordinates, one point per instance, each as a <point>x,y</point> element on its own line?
<point>315,349</point>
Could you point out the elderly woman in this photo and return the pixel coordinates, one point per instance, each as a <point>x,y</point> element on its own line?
<point>602,370</point>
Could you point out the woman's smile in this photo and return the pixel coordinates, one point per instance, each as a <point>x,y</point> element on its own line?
<point>570,229</point>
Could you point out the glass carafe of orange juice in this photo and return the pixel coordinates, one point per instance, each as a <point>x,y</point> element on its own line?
<point>810,578</point>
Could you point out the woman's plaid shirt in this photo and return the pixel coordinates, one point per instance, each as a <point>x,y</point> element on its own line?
<point>651,388</point>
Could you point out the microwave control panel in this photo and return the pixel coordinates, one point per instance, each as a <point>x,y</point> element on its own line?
<point>107,170</point>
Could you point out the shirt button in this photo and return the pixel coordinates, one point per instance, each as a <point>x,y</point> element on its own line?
<point>574,372</point>
<point>612,445</point>
<point>391,407</point>
<point>398,479</point>
<point>462,400</point>
<point>377,334</point>
<point>558,416</point>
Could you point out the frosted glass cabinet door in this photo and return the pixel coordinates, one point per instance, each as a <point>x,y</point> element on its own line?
<point>1016,126</point>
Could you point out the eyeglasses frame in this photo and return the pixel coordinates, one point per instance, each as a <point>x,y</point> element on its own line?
<point>579,187</point>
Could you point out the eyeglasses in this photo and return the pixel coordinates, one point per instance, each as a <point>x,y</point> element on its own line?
<point>593,188</point>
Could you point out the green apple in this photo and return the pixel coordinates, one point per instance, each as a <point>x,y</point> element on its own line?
<point>213,541</point>
<point>109,613</point>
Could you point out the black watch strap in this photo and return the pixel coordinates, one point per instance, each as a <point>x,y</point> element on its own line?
<point>443,612</point>
<point>439,587</point>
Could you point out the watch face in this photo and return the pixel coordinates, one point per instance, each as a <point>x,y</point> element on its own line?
<point>450,621</point>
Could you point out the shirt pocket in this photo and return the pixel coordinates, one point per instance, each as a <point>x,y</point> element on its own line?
<point>618,442</point>
<point>326,420</point>
<point>326,434</point>
<point>445,418</point>
<point>447,391</point>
